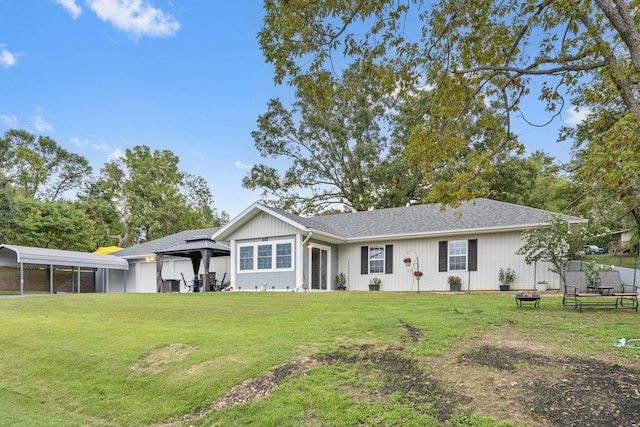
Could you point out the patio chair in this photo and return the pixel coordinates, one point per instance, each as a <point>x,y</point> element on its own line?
<point>577,280</point>
<point>575,283</point>
<point>611,279</point>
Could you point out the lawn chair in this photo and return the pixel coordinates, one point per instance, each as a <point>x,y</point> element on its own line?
<point>575,283</point>
<point>610,280</point>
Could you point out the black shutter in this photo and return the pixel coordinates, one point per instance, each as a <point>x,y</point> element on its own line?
<point>443,256</point>
<point>473,255</point>
<point>388,259</point>
<point>364,260</point>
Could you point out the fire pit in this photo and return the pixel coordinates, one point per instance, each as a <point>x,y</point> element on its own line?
<point>528,297</point>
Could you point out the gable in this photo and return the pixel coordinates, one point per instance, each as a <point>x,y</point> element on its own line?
<point>263,225</point>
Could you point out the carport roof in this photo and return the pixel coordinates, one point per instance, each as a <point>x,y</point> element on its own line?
<point>43,256</point>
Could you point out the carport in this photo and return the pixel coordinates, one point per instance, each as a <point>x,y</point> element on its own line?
<point>199,250</point>
<point>47,262</point>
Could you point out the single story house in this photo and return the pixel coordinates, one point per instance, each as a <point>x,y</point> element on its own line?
<point>274,250</point>
<point>268,249</point>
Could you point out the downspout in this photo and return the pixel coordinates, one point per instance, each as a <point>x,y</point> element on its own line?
<point>306,239</point>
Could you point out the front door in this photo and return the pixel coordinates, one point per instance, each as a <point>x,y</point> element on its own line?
<point>319,268</point>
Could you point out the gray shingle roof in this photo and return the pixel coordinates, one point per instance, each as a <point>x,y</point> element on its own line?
<point>477,214</point>
<point>163,243</point>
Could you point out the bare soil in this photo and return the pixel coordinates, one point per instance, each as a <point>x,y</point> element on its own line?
<point>501,375</point>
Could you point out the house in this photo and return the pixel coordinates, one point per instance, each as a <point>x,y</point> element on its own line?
<point>274,250</point>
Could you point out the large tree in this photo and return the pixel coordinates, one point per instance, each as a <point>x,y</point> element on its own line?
<point>333,141</point>
<point>144,191</point>
<point>496,50</point>
<point>52,224</point>
<point>39,168</point>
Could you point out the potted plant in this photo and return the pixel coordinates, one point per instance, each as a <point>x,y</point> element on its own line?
<point>506,276</point>
<point>418,274</point>
<point>341,282</point>
<point>374,284</point>
<point>541,286</point>
<point>455,283</point>
<point>407,261</point>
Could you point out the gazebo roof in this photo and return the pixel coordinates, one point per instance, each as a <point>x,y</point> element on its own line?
<point>196,245</point>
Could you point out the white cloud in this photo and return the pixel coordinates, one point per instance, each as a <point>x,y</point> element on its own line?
<point>101,147</point>
<point>10,121</point>
<point>575,116</point>
<point>241,165</point>
<point>71,7</point>
<point>116,154</point>
<point>138,17</point>
<point>8,59</point>
<point>41,124</point>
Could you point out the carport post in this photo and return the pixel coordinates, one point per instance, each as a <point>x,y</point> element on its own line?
<point>21,279</point>
<point>51,279</point>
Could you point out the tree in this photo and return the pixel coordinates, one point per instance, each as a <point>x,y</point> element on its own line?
<point>40,168</point>
<point>143,190</point>
<point>607,154</point>
<point>8,211</point>
<point>52,224</point>
<point>495,50</point>
<point>551,244</point>
<point>335,146</point>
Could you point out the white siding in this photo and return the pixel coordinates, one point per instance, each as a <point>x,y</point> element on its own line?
<point>494,251</point>
<point>263,225</point>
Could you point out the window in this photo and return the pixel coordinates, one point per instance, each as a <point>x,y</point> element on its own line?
<point>376,259</point>
<point>246,258</point>
<point>265,256</point>
<point>458,255</point>
<point>283,255</point>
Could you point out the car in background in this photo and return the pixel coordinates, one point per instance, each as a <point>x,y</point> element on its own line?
<point>593,250</point>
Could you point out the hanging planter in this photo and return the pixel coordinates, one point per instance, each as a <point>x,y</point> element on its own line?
<point>407,261</point>
<point>418,274</point>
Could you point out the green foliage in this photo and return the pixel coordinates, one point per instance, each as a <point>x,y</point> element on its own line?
<point>506,275</point>
<point>550,244</point>
<point>40,168</point>
<point>52,224</point>
<point>467,53</point>
<point>144,196</point>
<point>332,140</point>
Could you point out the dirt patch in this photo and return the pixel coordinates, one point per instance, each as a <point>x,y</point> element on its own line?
<point>255,389</point>
<point>509,377</point>
<point>158,359</point>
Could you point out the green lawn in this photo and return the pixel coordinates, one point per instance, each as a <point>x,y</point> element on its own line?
<point>628,260</point>
<point>78,360</point>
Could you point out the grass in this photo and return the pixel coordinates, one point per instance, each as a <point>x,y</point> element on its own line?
<point>627,260</point>
<point>140,359</point>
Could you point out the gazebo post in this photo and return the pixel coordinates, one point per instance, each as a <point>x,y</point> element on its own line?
<point>159,259</point>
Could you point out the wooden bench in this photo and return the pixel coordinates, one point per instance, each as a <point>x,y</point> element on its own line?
<point>574,298</point>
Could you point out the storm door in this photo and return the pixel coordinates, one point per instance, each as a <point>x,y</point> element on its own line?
<point>319,269</point>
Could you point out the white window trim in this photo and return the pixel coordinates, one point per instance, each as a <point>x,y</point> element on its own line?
<point>466,255</point>
<point>274,256</point>
<point>384,259</point>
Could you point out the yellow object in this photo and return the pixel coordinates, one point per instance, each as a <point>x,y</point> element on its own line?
<point>107,250</point>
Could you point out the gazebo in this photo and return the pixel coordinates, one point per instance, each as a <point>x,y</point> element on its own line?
<point>199,249</point>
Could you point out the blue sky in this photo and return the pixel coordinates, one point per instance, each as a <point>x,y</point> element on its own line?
<point>101,76</point>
